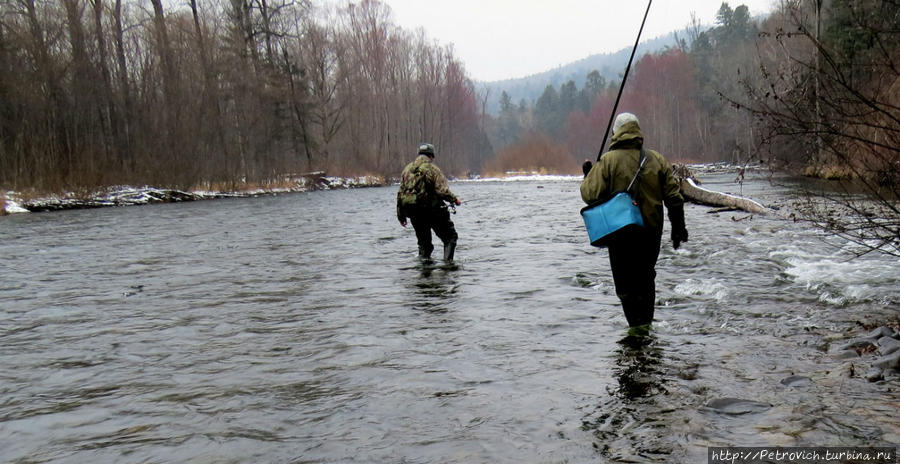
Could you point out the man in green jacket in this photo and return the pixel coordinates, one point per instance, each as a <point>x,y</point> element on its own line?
<point>423,191</point>
<point>633,256</point>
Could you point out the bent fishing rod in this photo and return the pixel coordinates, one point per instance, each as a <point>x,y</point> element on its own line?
<point>622,85</point>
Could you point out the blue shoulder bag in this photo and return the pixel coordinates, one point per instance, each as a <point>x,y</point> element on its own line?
<point>604,218</point>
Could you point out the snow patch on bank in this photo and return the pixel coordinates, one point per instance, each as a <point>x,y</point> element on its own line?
<point>131,196</point>
<point>9,204</point>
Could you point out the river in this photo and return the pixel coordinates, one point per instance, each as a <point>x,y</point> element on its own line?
<point>301,328</point>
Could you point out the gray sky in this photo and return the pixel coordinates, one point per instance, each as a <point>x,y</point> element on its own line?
<point>502,39</point>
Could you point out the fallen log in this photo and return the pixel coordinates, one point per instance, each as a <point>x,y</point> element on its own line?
<point>692,192</point>
<point>315,180</point>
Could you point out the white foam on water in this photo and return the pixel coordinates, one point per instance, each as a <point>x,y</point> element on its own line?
<point>840,281</point>
<point>712,288</point>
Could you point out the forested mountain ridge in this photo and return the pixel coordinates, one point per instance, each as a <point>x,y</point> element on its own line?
<point>609,65</point>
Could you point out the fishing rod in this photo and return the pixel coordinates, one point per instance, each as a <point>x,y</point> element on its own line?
<point>452,207</point>
<point>622,85</point>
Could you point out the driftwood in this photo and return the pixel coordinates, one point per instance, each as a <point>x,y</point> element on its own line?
<point>317,180</point>
<point>693,192</point>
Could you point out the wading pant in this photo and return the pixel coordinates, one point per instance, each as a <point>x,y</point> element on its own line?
<point>424,220</point>
<point>632,257</point>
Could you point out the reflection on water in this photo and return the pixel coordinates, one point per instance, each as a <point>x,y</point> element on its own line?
<point>302,328</point>
<point>638,360</point>
<point>436,285</point>
<point>628,425</point>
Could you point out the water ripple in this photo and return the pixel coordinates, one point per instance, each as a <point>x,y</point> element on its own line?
<point>302,328</point>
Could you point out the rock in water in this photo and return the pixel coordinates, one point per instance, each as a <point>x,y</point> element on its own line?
<point>875,374</point>
<point>796,381</point>
<point>882,331</point>
<point>737,406</point>
<point>859,344</point>
<point>888,345</point>
<point>889,362</point>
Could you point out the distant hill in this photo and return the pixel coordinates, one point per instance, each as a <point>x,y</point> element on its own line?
<point>610,65</point>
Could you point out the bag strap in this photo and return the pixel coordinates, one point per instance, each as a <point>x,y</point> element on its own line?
<point>639,174</point>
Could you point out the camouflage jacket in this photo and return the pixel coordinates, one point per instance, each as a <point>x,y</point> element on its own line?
<point>422,184</point>
<point>614,172</point>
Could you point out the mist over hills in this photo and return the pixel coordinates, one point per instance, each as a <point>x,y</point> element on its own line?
<point>610,65</point>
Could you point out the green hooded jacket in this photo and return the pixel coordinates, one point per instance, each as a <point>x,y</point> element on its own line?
<point>422,184</point>
<point>615,169</point>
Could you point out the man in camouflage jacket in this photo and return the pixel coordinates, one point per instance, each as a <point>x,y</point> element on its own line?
<point>421,198</point>
<point>633,256</point>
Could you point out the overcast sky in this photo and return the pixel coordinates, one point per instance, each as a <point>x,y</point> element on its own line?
<point>502,39</point>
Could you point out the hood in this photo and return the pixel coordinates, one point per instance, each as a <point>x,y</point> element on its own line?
<point>628,136</point>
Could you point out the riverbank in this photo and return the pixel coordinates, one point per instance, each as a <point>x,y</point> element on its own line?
<point>16,202</point>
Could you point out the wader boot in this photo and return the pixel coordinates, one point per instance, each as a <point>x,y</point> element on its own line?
<point>421,223</point>
<point>449,250</point>
<point>638,309</point>
<point>632,259</point>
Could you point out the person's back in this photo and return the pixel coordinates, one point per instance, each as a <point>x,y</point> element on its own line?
<point>414,183</point>
<point>421,196</point>
<point>633,256</point>
<point>617,167</point>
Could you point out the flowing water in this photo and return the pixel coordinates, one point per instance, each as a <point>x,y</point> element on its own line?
<point>302,328</point>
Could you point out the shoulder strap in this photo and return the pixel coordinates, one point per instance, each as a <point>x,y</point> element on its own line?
<point>637,175</point>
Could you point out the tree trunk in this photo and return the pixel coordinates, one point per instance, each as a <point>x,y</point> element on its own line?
<point>106,107</point>
<point>691,191</point>
<point>164,47</point>
<point>211,96</point>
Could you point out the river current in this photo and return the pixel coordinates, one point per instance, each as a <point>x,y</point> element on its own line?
<point>301,328</point>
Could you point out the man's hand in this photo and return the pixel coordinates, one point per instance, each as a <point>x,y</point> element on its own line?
<point>586,167</point>
<point>403,223</point>
<point>457,202</point>
<point>679,236</point>
<point>679,231</point>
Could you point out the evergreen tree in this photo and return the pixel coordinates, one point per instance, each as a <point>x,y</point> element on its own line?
<point>508,124</point>
<point>505,102</point>
<point>547,112</point>
<point>568,98</point>
<point>594,84</point>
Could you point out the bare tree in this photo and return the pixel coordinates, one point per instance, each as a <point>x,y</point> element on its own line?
<point>243,91</point>
<point>834,101</point>
<point>321,54</point>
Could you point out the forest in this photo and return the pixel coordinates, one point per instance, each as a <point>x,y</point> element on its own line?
<point>813,88</point>
<point>222,94</point>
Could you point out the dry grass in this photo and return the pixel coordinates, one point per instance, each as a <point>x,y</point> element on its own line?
<point>27,195</point>
<point>239,187</point>
<point>829,172</point>
<point>534,154</point>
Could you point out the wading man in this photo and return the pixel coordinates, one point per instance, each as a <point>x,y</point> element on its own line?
<point>421,198</point>
<point>633,255</point>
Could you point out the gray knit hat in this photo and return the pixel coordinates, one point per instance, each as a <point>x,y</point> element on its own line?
<point>624,118</point>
